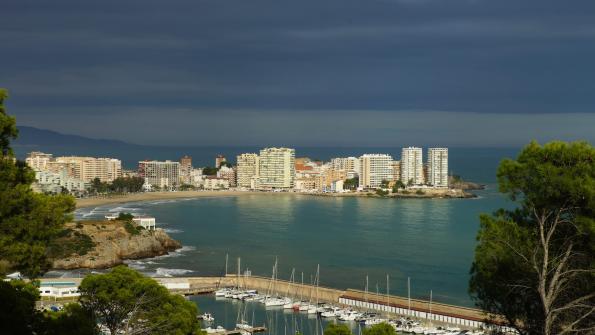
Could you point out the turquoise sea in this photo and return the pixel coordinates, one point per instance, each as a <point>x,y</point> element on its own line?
<point>429,240</point>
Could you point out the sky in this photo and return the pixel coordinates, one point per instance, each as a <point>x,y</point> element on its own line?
<point>303,73</point>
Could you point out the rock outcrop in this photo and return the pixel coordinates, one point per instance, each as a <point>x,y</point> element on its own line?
<point>112,244</point>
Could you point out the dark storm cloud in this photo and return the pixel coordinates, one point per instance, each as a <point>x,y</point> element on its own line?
<point>335,61</point>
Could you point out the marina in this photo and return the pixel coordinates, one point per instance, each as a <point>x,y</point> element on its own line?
<point>357,307</point>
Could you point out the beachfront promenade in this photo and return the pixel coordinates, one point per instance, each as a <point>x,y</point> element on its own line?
<point>420,309</point>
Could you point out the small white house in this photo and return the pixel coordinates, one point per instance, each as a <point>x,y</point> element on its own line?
<point>146,222</point>
<point>59,289</point>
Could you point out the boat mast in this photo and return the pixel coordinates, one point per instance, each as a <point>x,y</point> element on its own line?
<point>409,295</point>
<point>317,282</point>
<point>239,272</point>
<point>226,257</point>
<point>430,306</point>
<point>302,290</point>
<point>387,294</point>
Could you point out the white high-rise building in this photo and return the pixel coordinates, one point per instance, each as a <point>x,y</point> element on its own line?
<point>276,168</point>
<point>89,168</point>
<point>247,169</point>
<point>412,166</point>
<point>38,161</point>
<point>162,174</point>
<point>374,168</point>
<point>438,167</point>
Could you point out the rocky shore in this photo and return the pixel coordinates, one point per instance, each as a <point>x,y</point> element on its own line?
<point>103,244</point>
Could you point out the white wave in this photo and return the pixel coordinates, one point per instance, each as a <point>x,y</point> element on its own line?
<point>124,209</point>
<point>172,231</point>
<point>164,272</point>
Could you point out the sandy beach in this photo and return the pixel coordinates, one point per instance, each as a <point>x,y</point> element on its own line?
<point>115,199</point>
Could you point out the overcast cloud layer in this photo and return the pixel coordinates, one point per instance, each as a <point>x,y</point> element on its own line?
<point>308,72</point>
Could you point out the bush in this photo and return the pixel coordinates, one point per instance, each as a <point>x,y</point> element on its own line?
<point>132,228</point>
<point>420,192</point>
<point>70,242</point>
<point>381,192</point>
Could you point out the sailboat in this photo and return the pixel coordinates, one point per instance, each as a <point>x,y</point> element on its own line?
<point>289,304</point>
<point>314,309</point>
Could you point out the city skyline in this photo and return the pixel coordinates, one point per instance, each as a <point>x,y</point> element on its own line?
<point>459,73</point>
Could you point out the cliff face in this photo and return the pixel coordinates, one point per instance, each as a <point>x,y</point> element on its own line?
<point>112,243</point>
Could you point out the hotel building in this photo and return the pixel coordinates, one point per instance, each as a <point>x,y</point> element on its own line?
<point>374,168</point>
<point>412,166</point>
<point>247,169</point>
<point>438,167</point>
<point>162,174</point>
<point>276,168</point>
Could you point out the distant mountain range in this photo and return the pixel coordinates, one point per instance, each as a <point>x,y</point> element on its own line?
<point>31,136</point>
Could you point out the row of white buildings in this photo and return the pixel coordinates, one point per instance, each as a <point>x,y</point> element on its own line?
<point>73,173</point>
<point>278,169</point>
<point>374,169</point>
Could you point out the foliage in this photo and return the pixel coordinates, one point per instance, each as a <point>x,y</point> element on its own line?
<point>17,310</point>
<point>70,242</point>
<point>127,185</point>
<point>351,183</point>
<point>118,185</point>
<point>19,316</point>
<point>420,192</point>
<point>72,320</point>
<point>187,187</point>
<point>381,192</point>
<point>132,228</point>
<point>384,183</point>
<point>337,329</point>
<point>209,171</point>
<point>380,329</point>
<point>125,216</point>
<point>534,265</point>
<point>28,220</point>
<point>124,299</point>
<point>398,185</point>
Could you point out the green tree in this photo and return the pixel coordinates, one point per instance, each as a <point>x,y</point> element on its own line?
<point>351,183</point>
<point>337,329</point>
<point>398,185</point>
<point>384,183</point>
<point>124,299</point>
<point>72,320</point>
<point>28,220</point>
<point>209,171</point>
<point>17,307</point>
<point>534,265</point>
<point>380,329</point>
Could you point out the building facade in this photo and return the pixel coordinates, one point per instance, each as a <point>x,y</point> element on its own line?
<point>375,168</point>
<point>396,170</point>
<point>186,170</point>
<point>220,159</point>
<point>89,168</point>
<point>247,169</point>
<point>276,168</point>
<point>229,174</point>
<point>39,161</point>
<point>351,165</point>
<point>438,167</point>
<point>412,166</point>
<point>163,174</point>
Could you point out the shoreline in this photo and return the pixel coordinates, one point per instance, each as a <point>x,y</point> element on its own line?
<point>149,196</point>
